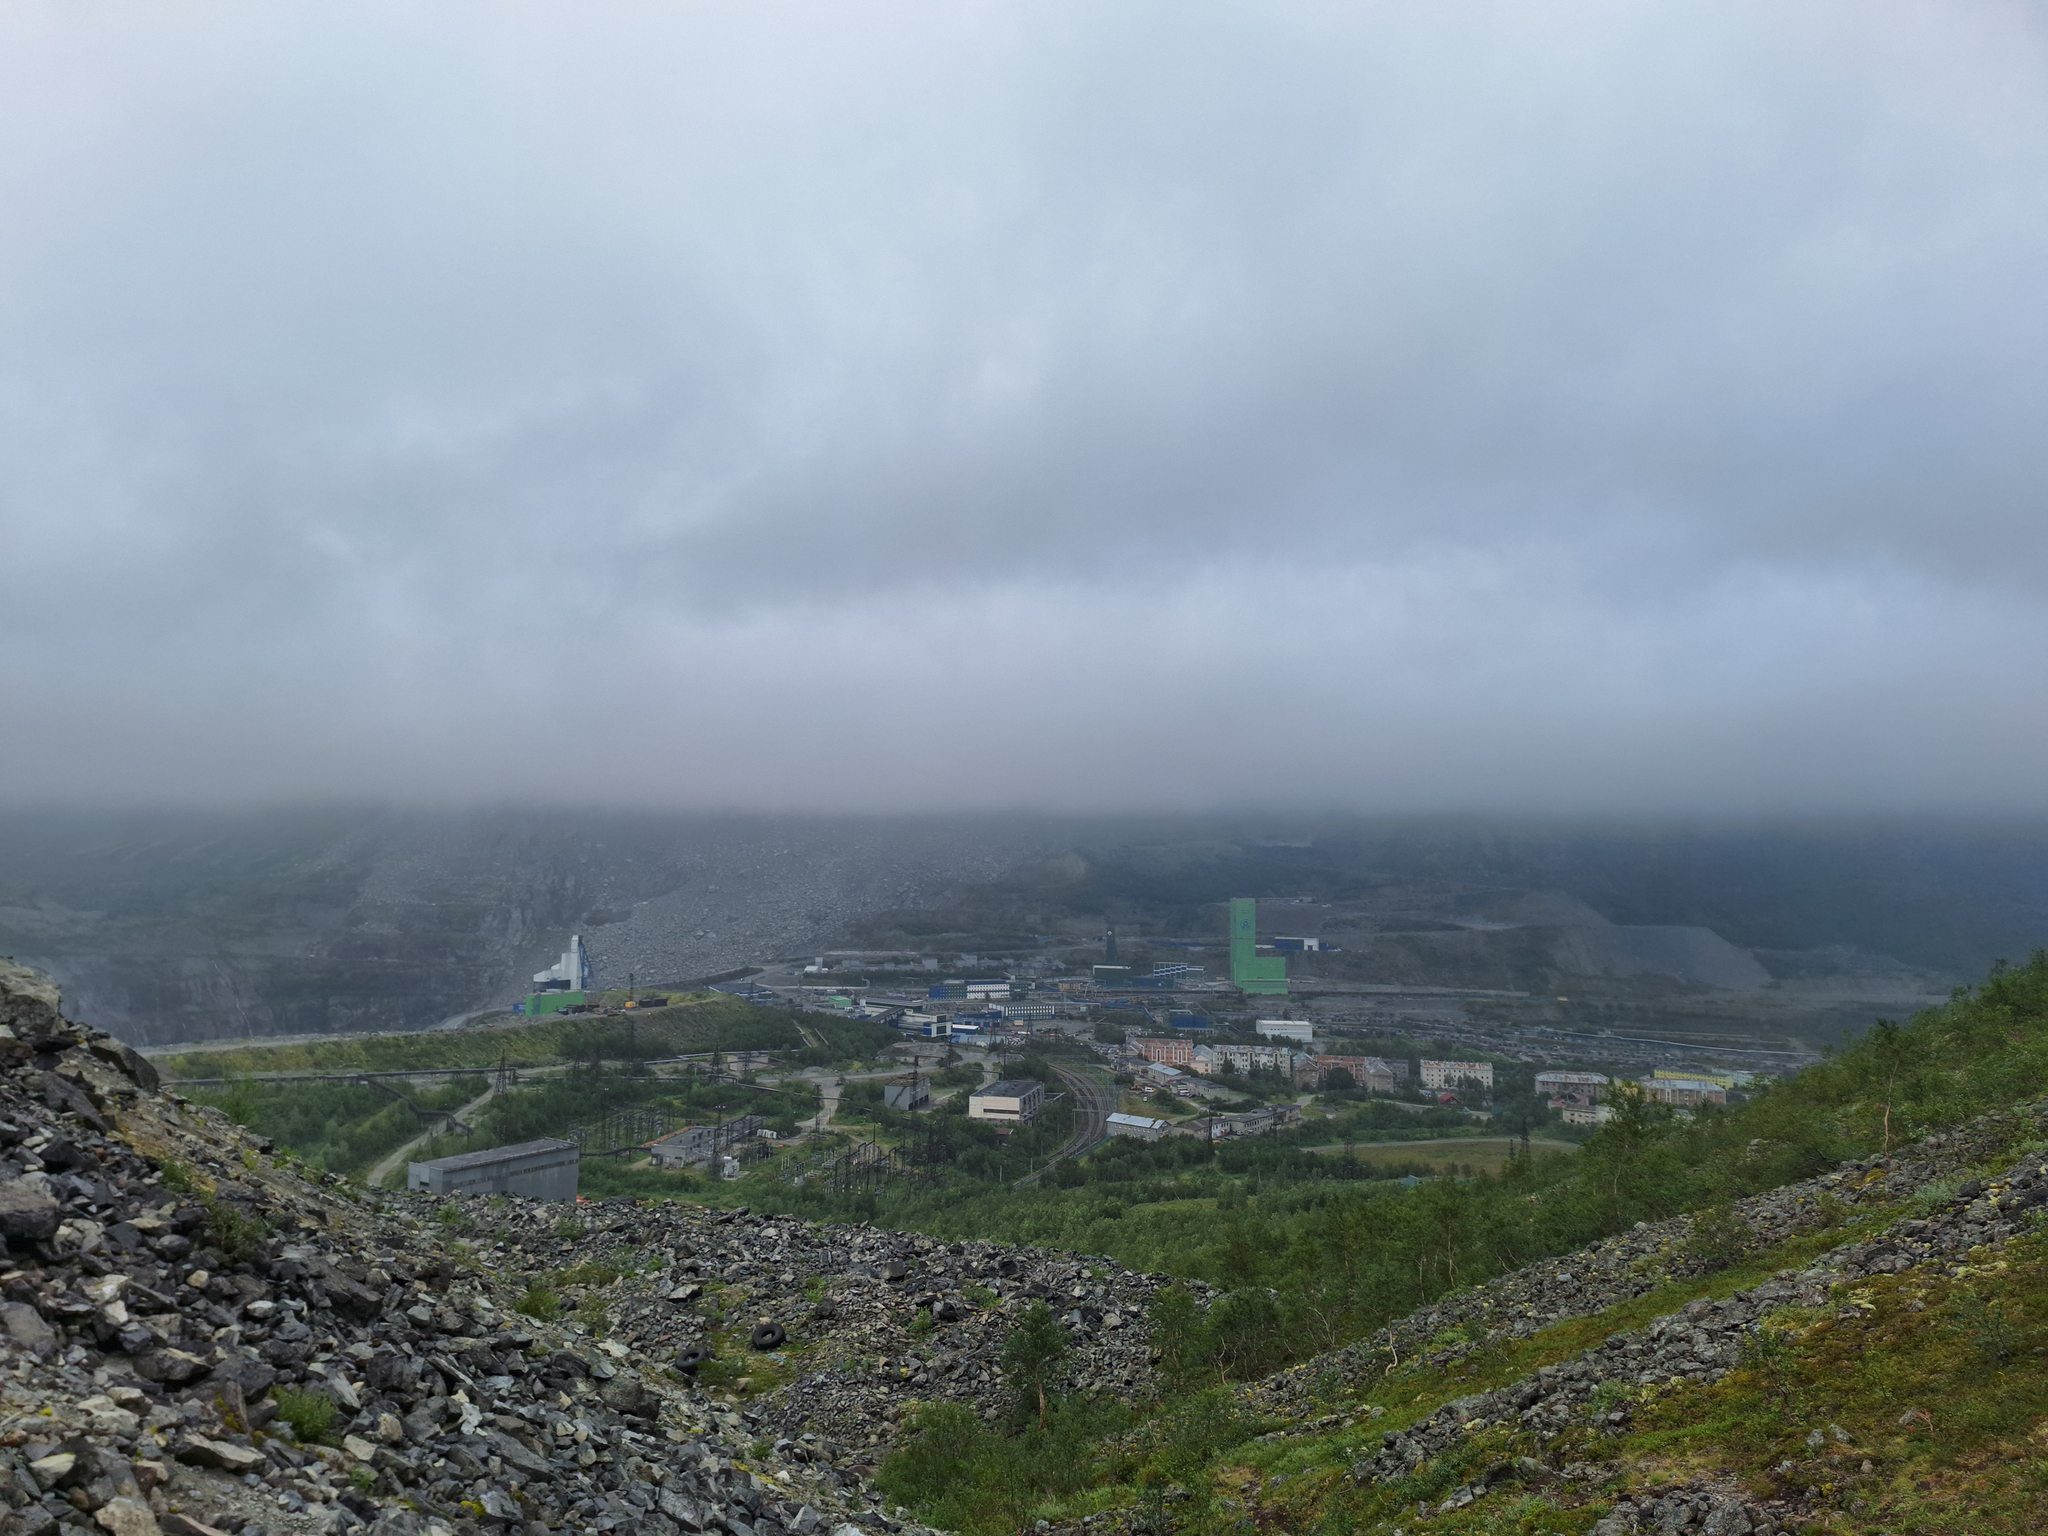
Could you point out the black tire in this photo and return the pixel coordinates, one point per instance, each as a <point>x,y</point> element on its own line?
<point>690,1356</point>
<point>769,1336</point>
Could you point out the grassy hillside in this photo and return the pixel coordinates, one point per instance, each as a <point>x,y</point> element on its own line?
<point>1307,1267</point>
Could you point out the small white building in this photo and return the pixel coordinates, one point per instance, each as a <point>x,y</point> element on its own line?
<point>1015,1101</point>
<point>1143,1127</point>
<point>1450,1074</point>
<point>1589,1114</point>
<point>1286,1029</point>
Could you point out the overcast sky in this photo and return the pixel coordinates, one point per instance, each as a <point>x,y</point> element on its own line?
<point>1572,406</point>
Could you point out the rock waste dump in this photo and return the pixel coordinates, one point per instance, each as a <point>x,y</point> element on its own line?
<point>872,1320</point>
<point>200,1337</point>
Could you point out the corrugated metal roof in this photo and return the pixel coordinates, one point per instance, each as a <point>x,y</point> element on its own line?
<point>500,1154</point>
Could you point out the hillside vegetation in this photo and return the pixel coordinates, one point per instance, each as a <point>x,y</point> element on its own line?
<point>1893,1377</point>
<point>589,1066</point>
<point>1961,1347</point>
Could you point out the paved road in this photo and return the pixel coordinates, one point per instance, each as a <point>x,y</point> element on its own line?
<point>1094,1102</point>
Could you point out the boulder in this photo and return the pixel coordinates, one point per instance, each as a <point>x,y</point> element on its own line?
<point>25,1326</point>
<point>30,1004</point>
<point>173,1367</point>
<point>127,1517</point>
<point>129,1062</point>
<point>28,1211</point>
<point>222,1455</point>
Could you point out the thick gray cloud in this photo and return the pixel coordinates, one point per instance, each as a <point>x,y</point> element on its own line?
<point>1579,406</point>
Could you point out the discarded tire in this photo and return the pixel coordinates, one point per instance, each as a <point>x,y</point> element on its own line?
<point>769,1336</point>
<point>690,1356</point>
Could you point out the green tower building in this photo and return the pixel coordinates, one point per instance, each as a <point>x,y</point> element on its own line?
<point>1254,977</point>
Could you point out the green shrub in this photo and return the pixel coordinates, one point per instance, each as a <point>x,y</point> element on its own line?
<point>234,1231</point>
<point>311,1415</point>
<point>540,1302</point>
<point>1719,1237</point>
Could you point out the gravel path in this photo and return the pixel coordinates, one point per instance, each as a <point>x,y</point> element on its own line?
<point>377,1175</point>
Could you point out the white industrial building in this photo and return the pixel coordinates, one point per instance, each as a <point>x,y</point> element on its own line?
<point>1286,1029</point>
<point>1014,1101</point>
<point>571,973</point>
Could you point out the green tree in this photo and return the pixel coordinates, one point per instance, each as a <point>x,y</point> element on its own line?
<point>1177,1333</point>
<point>1621,1148</point>
<point>1034,1349</point>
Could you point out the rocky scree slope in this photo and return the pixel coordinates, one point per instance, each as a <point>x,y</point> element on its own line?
<point>175,1296</point>
<point>879,1320</point>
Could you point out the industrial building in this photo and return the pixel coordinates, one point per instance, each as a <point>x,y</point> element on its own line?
<point>535,1170</point>
<point>1254,976</point>
<point>1015,1101</point>
<point>1158,1075</point>
<point>1285,1029</point>
<point>908,1096</point>
<point>1143,1127</point>
<point>1258,1122</point>
<point>565,984</point>
<point>695,1146</point>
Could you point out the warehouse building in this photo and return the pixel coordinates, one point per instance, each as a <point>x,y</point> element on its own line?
<point>695,1146</point>
<point>1286,1029</point>
<point>536,1170</point>
<point>1143,1127</point>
